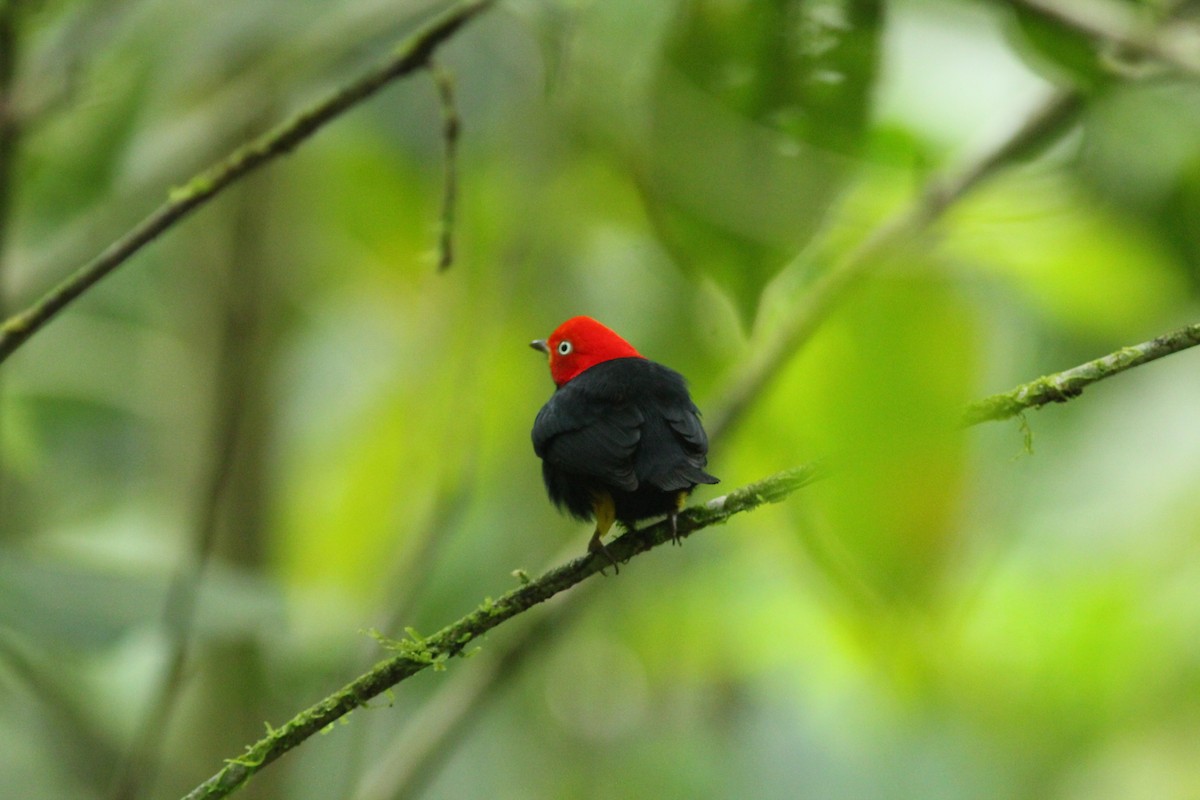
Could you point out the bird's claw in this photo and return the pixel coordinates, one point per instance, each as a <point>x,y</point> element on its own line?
<point>597,546</point>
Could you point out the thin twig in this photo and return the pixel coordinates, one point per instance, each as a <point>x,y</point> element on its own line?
<point>451,126</point>
<point>411,56</point>
<point>1062,386</point>
<point>413,656</point>
<point>1055,116</point>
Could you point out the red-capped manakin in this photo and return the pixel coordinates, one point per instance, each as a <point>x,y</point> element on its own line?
<point>620,438</point>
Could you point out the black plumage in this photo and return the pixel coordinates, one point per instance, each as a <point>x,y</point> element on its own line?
<point>624,432</point>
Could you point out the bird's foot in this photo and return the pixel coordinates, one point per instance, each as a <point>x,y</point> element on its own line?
<point>675,540</point>
<point>597,546</point>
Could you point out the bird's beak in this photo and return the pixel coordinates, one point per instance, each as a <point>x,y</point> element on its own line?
<point>540,344</point>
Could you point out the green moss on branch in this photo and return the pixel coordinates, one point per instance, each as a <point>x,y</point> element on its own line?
<point>416,654</point>
<point>1062,386</point>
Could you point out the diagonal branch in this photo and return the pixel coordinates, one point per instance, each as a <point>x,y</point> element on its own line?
<point>1062,386</point>
<point>738,394</point>
<point>413,656</point>
<point>408,58</point>
<point>1044,126</point>
<point>404,769</point>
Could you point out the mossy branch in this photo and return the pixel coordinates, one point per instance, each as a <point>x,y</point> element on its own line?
<point>1062,386</point>
<point>411,56</point>
<point>416,654</point>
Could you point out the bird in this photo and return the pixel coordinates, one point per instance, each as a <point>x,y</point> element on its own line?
<point>620,439</point>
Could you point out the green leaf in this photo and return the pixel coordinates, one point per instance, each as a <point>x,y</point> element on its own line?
<point>1143,163</point>
<point>1057,50</point>
<point>755,112</point>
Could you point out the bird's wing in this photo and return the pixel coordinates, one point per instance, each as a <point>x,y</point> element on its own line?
<point>674,449</point>
<point>588,434</point>
<point>685,422</point>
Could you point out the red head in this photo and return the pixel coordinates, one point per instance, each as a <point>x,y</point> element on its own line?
<point>579,343</point>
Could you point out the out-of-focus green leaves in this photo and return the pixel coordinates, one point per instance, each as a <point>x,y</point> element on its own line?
<point>18,449</point>
<point>1137,140</point>
<point>1057,49</point>
<point>757,111</point>
<point>1080,264</point>
<point>944,616</point>
<point>76,607</point>
<point>1141,156</point>
<point>877,391</point>
<point>78,160</point>
<point>1180,210</point>
<point>804,69</point>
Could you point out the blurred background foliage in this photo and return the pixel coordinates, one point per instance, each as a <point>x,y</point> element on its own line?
<point>286,383</point>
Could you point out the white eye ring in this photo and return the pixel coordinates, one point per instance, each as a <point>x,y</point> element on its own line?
<point>564,348</point>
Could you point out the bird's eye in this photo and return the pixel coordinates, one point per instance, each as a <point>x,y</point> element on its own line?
<point>564,348</point>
